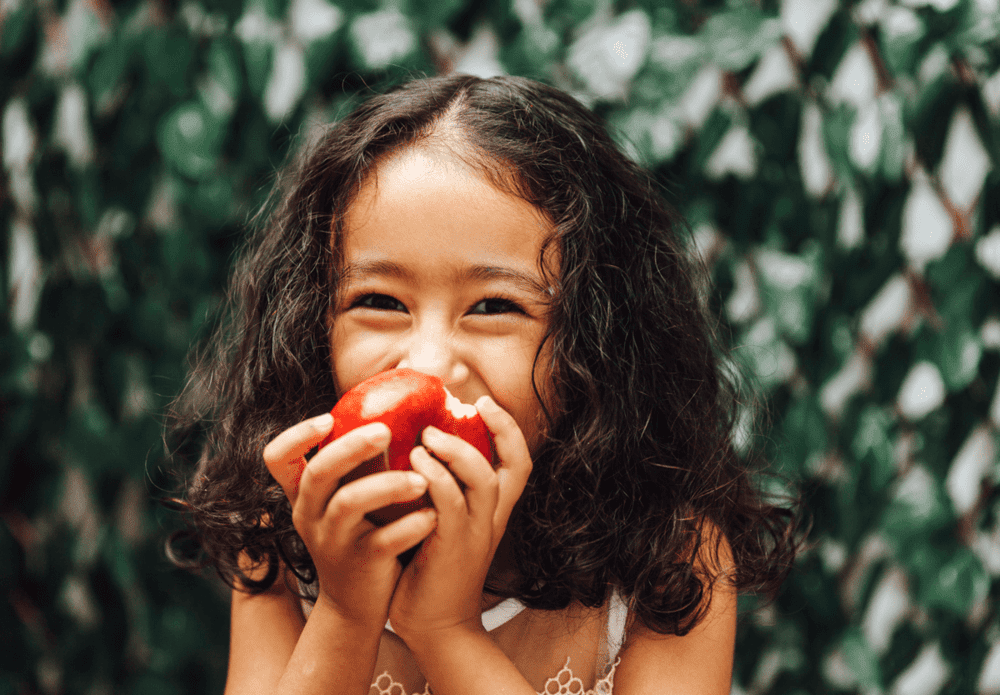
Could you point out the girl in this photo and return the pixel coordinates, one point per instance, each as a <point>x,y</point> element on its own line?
<point>490,233</point>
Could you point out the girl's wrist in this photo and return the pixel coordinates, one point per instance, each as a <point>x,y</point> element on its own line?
<point>426,640</point>
<point>357,622</point>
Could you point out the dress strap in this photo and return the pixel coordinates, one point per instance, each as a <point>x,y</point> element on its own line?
<point>617,617</point>
<point>494,617</point>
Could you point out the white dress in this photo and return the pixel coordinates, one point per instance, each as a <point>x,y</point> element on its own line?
<point>563,682</point>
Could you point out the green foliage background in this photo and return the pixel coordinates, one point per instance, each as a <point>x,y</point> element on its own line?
<point>837,163</point>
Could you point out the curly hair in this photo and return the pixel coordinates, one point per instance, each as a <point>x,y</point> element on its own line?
<point>640,454</point>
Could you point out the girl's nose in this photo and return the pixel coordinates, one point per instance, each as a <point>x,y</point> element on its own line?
<point>434,354</point>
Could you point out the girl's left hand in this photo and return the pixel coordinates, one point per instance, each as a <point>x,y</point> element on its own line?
<point>442,587</point>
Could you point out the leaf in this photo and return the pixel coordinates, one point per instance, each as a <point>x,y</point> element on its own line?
<point>861,659</point>
<point>189,137</point>
<point>954,584</point>
<point>736,38</point>
<point>873,444</point>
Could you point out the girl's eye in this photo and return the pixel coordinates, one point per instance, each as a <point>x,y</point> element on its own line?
<point>497,305</point>
<point>492,305</point>
<point>378,301</point>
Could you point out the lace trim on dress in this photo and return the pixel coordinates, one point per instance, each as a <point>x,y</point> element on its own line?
<point>563,683</point>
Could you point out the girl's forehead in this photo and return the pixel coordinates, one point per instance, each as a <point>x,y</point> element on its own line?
<point>431,201</point>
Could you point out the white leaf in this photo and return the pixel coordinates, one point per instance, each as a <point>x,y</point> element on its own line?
<point>965,162</point>
<point>888,606</point>
<point>972,463</point>
<point>995,407</point>
<point>989,676</point>
<point>774,74</point>
<point>481,55</point>
<point>925,675</point>
<point>927,227</point>
<point>256,26</point>
<point>991,94</point>
<point>314,19</point>
<point>901,24</point>
<point>989,333</point>
<point>18,135</point>
<point>607,56</point>
<point>939,5</point>
<point>701,96</point>
<point>382,37</point>
<point>936,62</point>
<point>814,162</point>
<point>854,80</point>
<point>887,310</point>
<point>72,127</point>
<point>25,273</point>
<point>287,82</point>
<point>804,20</point>
<point>922,391</point>
<point>784,270</point>
<point>866,136</point>
<point>734,155</point>
<point>854,376</point>
<point>744,303</point>
<point>850,223</point>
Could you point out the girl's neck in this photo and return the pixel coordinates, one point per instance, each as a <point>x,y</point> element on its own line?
<point>502,572</point>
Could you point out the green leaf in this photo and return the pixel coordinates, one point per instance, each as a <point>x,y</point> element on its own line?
<point>16,27</point>
<point>789,284</point>
<point>955,584</point>
<point>736,38</point>
<point>861,659</point>
<point>189,137</point>
<point>225,75</point>
<point>168,56</point>
<point>918,510</point>
<point>961,351</point>
<point>803,434</point>
<point>873,444</point>
<point>899,39</point>
<point>105,75</point>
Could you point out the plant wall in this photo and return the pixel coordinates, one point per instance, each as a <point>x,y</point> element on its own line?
<point>837,165</point>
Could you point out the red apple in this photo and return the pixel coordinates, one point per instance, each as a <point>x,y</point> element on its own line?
<point>407,401</point>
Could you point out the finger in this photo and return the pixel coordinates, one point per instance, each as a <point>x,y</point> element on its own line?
<point>373,492</point>
<point>284,455</point>
<point>468,466</point>
<point>332,462</point>
<point>404,533</point>
<point>443,488</point>
<point>515,463</point>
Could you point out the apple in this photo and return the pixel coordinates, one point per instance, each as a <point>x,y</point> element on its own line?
<point>407,401</point>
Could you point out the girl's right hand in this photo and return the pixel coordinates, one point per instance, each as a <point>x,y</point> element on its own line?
<point>355,561</point>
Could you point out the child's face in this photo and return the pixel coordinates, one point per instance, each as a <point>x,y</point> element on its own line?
<point>432,246</point>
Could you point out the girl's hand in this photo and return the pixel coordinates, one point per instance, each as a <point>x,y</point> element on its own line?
<point>442,587</point>
<point>355,561</point>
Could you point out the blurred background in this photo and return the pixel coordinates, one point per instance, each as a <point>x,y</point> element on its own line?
<point>837,165</point>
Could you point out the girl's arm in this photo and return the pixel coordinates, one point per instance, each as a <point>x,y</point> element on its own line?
<point>273,649</point>
<point>264,630</point>
<point>700,662</point>
<point>437,606</point>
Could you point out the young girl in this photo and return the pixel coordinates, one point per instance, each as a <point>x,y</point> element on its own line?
<point>488,232</point>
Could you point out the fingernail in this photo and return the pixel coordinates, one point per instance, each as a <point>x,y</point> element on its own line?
<point>432,434</point>
<point>487,404</point>
<point>417,481</point>
<point>323,422</point>
<point>379,434</point>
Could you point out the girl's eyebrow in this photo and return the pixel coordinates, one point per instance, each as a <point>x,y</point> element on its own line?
<point>362,270</point>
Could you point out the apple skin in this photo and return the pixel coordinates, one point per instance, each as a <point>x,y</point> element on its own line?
<point>407,402</point>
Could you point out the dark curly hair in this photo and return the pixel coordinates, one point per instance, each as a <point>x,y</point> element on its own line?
<point>641,453</point>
